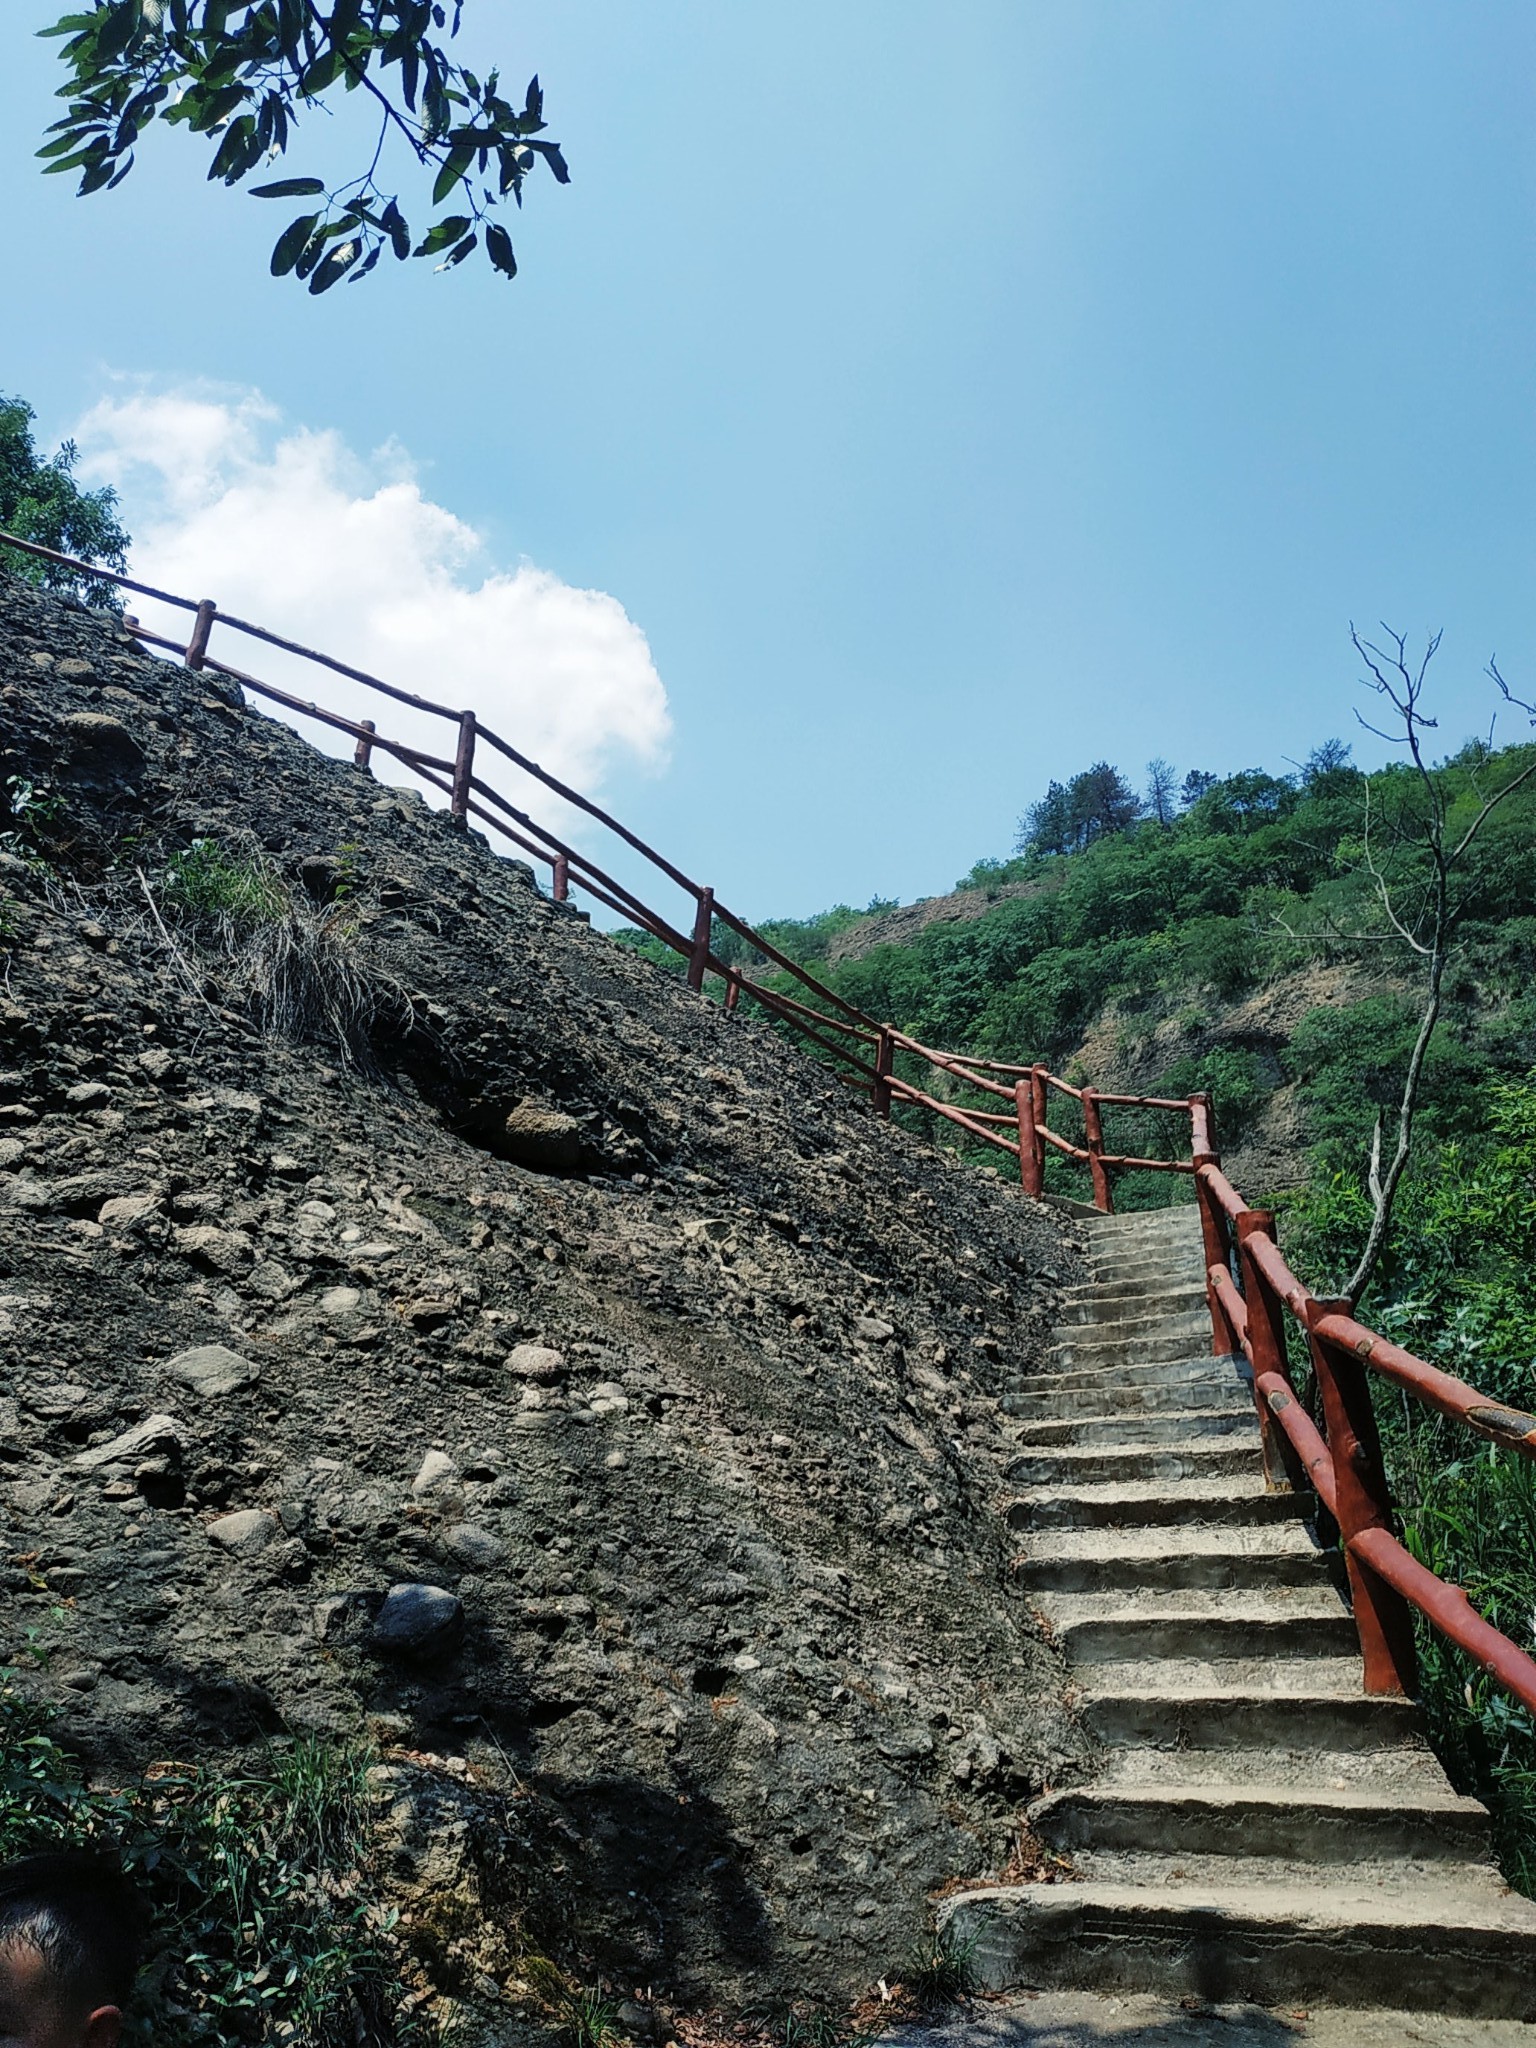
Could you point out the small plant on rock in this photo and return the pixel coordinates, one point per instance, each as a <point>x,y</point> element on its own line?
<point>298,966</point>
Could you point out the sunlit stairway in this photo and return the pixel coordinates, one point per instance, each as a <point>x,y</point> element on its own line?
<point>1259,1828</point>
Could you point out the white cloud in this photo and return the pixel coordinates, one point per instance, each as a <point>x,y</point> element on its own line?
<point>285,526</point>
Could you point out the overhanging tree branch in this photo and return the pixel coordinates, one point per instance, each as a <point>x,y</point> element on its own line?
<point>244,74</point>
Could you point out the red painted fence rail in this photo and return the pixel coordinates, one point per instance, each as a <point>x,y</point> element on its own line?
<point>1250,1289</point>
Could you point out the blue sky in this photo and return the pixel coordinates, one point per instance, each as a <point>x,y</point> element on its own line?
<point>951,396</point>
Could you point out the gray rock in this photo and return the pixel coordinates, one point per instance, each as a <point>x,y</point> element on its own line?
<point>212,1370</point>
<point>157,1432</point>
<point>88,1095</point>
<point>535,1362</point>
<point>872,1329</point>
<point>418,1621</point>
<point>128,1212</point>
<point>247,1532</point>
<point>546,1139</point>
<point>339,1301</point>
<point>437,1468</point>
<point>477,1548</point>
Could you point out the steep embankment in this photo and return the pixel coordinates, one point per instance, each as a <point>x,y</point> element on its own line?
<point>701,1433</point>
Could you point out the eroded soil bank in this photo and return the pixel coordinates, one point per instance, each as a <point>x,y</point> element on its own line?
<point>699,1431</point>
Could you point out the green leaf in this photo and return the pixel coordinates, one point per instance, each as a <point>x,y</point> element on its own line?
<point>466,248</point>
<point>70,24</point>
<point>321,73</point>
<point>62,143</point>
<point>395,227</point>
<point>291,242</point>
<point>337,262</point>
<point>290,188</point>
<point>498,246</point>
<point>460,158</point>
<point>550,151</point>
<point>445,231</point>
<point>117,31</point>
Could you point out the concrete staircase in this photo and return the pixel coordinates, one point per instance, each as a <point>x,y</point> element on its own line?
<point>1259,1829</point>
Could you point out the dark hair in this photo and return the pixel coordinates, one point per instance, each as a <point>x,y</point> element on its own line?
<point>81,1915</point>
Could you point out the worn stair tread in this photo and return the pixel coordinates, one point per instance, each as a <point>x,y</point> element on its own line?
<point>1156,1542</point>
<point>1405,1770</point>
<point>1205,1681</point>
<point>1325,1901</point>
<point>1196,1457</point>
<point>1270,1800</point>
<point>1188,1835</point>
<point>1150,1427</point>
<point>1198,1604</point>
<point>1207,1489</point>
<point>1122,1504</point>
<point>1407,1879</point>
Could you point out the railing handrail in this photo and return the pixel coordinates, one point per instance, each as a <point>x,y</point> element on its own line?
<point>1342,1463</point>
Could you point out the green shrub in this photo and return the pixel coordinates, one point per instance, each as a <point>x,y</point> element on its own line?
<point>262,1884</point>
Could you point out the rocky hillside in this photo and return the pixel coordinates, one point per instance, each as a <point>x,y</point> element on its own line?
<point>533,1368</point>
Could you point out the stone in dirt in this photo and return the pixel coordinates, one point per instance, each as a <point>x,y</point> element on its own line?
<point>212,1370</point>
<point>247,1532</point>
<point>545,1139</point>
<point>437,1468</point>
<point>159,1432</point>
<point>418,1621</point>
<point>535,1362</point>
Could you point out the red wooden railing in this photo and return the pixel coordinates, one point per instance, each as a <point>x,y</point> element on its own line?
<point>1250,1288</point>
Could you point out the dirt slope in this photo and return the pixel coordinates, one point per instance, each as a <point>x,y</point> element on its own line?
<point>719,1444</point>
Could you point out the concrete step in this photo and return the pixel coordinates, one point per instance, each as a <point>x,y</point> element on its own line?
<point>1182,1221</point>
<point>1148,1427</point>
<point>1199,1458</point>
<point>1112,1395</point>
<point>1101,1302</point>
<point>1156,1341</point>
<point>1445,1947</point>
<point>1215,1502</point>
<point>1200,1626</point>
<point>1167,1560</point>
<point>1301,1703</point>
<point>1191,1372</point>
<point>1271,1820</point>
<point>1404,1770</point>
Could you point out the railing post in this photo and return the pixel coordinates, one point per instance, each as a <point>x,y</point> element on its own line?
<point>1093,1129</point>
<point>1218,1252</point>
<point>560,879</point>
<point>362,753</point>
<point>885,1059</point>
<point>1266,1347</point>
<point>703,927</point>
<point>463,771</point>
<point>1031,1151</point>
<point>202,626</point>
<point>732,992</point>
<point>1382,1616</point>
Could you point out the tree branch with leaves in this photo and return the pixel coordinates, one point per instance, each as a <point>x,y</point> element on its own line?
<point>245,75</point>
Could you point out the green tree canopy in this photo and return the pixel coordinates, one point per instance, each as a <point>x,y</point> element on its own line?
<point>40,501</point>
<point>1071,816</point>
<point>244,72</point>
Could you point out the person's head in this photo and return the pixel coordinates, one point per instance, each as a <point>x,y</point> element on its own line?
<point>70,1926</point>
